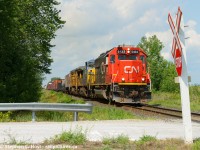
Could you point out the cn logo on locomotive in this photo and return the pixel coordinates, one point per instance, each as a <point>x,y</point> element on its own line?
<point>130,69</point>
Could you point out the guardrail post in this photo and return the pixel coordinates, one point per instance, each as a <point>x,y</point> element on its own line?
<point>33,116</point>
<point>75,116</point>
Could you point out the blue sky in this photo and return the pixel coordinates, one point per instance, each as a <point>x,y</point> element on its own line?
<point>94,26</point>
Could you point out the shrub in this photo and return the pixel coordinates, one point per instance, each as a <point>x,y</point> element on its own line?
<point>5,116</point>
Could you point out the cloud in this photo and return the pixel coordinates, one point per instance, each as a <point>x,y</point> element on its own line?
<point>95,26</point>
<point>192,34</point>
<point>166,38</point>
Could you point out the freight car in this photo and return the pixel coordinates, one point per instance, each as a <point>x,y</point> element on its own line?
<point>118,75</point>
<point>56,85</point>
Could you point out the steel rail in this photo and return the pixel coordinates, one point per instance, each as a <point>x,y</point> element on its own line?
<point>47,107</point>
<point>169,112</point>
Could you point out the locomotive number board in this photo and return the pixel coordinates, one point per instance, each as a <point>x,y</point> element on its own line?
<point>134,52</point>
<point>124,51</point>
<point>121,51</point>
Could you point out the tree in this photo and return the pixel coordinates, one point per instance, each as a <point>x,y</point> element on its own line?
<point>152,46</point>
<point>168,84</point>
<point>26,29</point>
<point>161,71</point>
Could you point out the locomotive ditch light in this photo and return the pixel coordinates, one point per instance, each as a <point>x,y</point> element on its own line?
<point>123,79</point>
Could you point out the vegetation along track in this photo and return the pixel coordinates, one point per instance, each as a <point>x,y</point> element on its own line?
<point>164,111</point>
<point>147,110</point>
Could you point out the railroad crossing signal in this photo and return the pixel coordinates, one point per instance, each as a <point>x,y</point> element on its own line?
<point>179,55</point>
<point>176,45</point>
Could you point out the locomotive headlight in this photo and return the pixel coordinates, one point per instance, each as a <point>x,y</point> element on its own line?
<point>123,79</point>
<point>143,79</point>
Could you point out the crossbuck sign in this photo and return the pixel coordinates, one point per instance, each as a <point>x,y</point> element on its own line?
<point>179,55</point>
<point>176,45</point>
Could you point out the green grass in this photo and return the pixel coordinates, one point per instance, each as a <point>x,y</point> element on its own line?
<point>98,113</point>
<point>5,116</point>
<point>121,139</point>
<point>78,137</point>
<point>146,138</point>
<point>73,137</point>
<point>196,145</point>
<point>173,100</point>
<point>58,97</point>
<point>107,113</point>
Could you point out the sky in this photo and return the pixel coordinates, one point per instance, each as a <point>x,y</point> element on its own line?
<point>95,26</point>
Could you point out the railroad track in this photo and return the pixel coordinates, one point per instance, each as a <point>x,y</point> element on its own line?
<point>165,111</point>
<point>152,110</point>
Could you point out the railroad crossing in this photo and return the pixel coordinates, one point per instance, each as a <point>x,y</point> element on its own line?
<point>179,55</point>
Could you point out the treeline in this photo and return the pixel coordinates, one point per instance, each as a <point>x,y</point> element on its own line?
<point>162,72</point>
<point>26,29</point>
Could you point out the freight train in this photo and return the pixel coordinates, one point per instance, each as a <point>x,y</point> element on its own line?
<point>118,75</point>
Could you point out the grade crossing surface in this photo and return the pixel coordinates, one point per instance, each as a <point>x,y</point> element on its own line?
<point>37,132</point>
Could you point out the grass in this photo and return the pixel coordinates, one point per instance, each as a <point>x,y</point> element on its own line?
<point>173,100</point>
<point>5,116</point>
<point>98,113</point>
<point>78,138</point>
<point>196,145</point>
<point>122,141</point>
<point>13,141</point>
<point>146,138</point>
<point>58,97</point>
<point>107,113</point>
<point>73,137</point>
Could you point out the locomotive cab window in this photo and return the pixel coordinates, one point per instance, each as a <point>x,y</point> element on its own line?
<point>132,57</point>
<point>112,58</point>
<point>125,57</point>
<point>143,59</point>
<point>122,57</point>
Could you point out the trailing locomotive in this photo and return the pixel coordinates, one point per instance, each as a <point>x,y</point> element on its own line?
<point>119,75</point>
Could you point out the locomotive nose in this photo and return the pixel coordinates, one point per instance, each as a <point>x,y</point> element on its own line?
<point>129,71</point>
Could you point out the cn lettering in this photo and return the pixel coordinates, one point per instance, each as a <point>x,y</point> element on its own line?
<point>130,69</point>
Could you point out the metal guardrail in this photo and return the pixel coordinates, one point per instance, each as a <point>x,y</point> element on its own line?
<point>47,107</point>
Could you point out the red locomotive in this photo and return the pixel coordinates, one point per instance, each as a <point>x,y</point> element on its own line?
<point>119,75</point>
